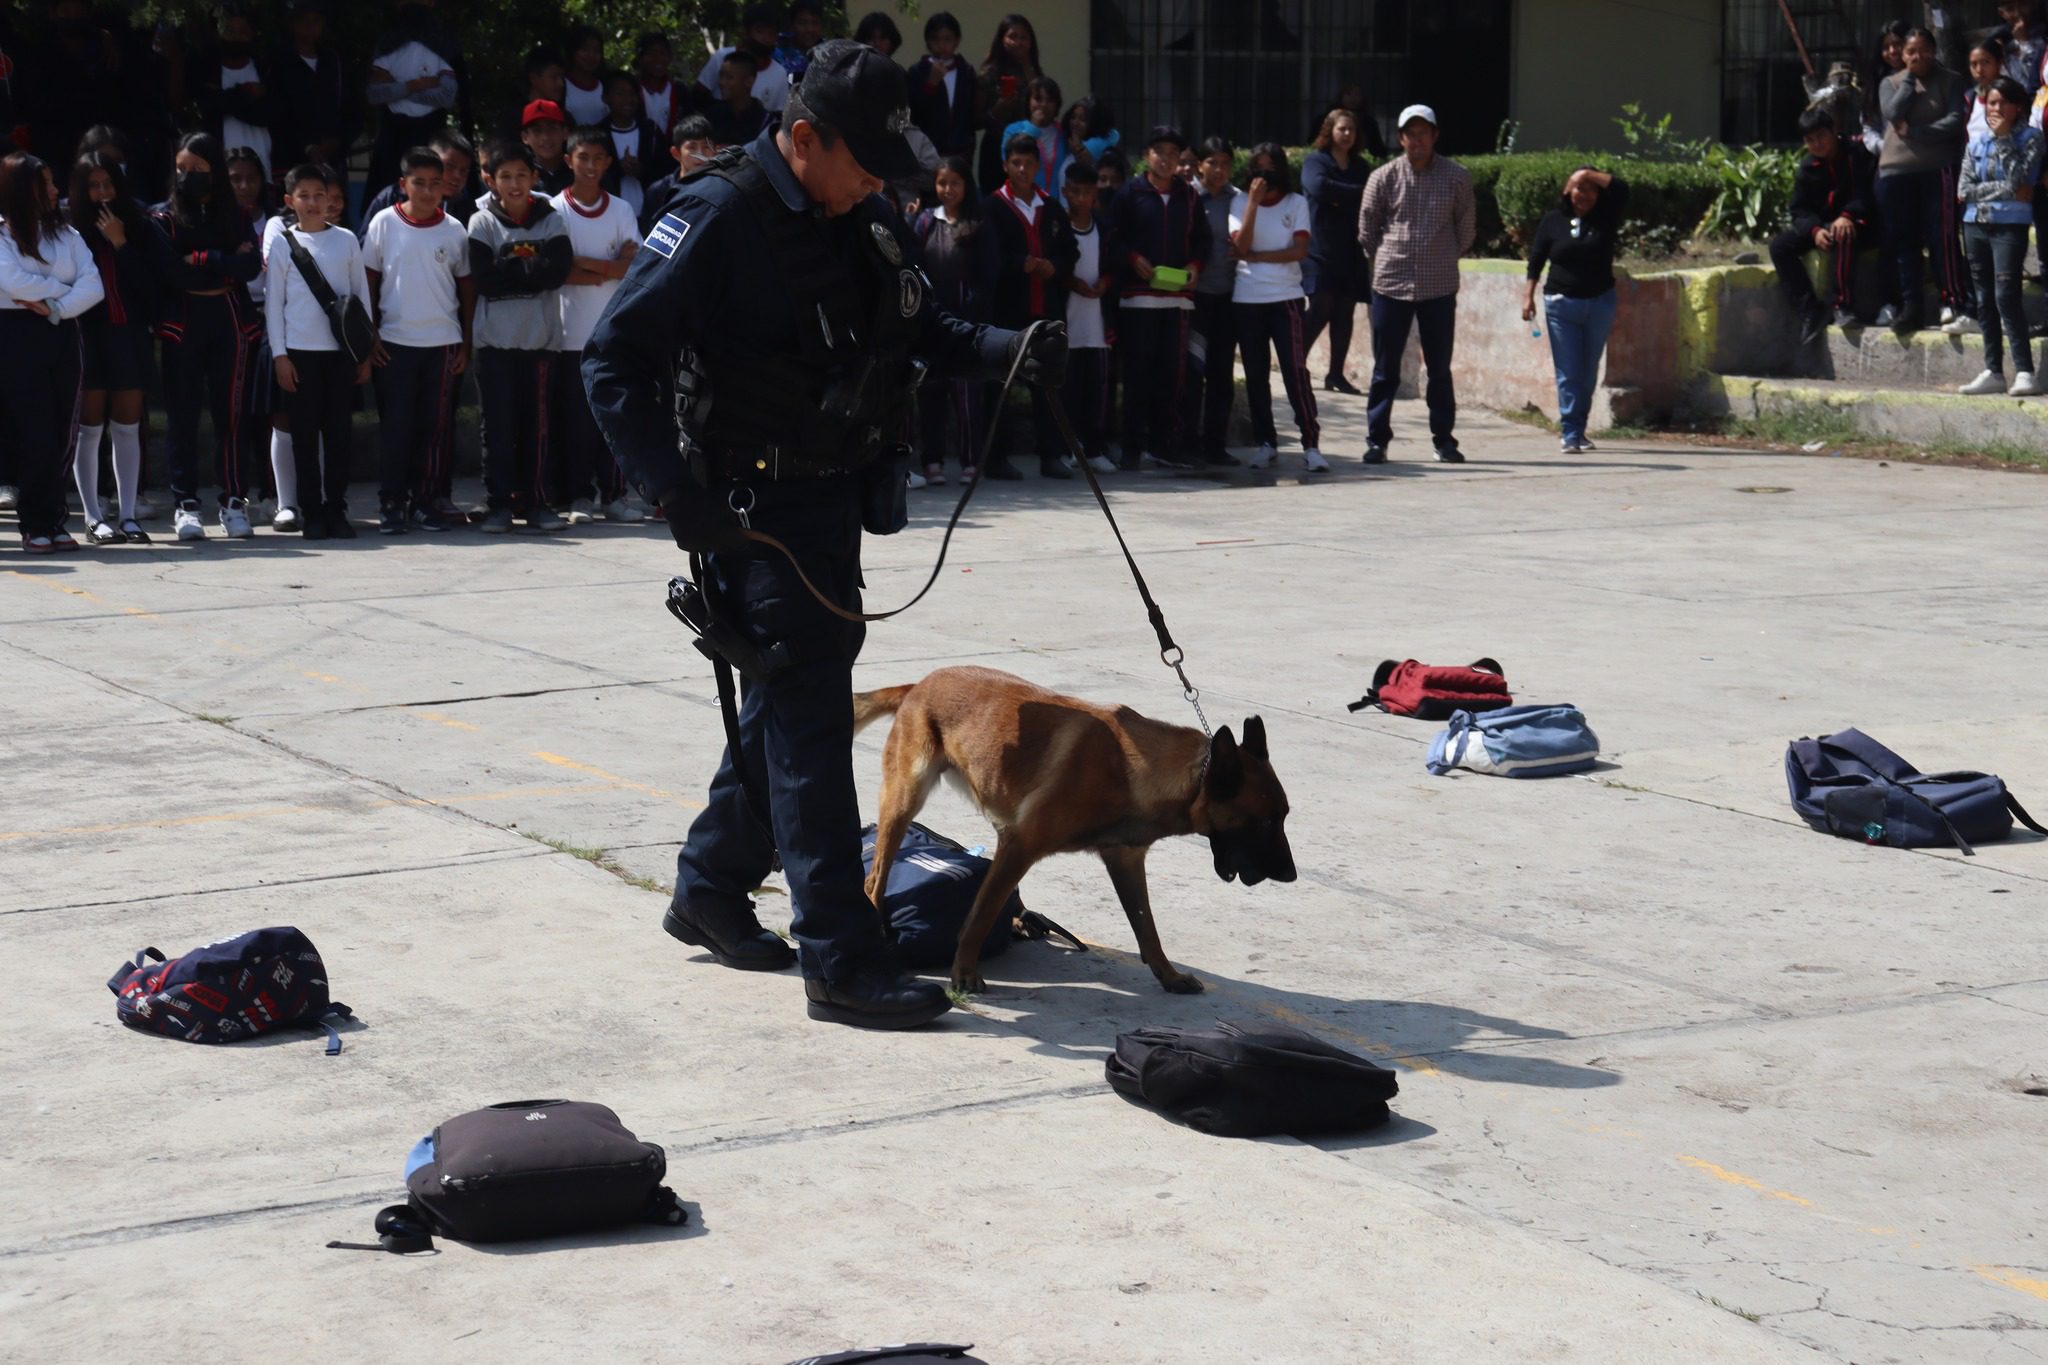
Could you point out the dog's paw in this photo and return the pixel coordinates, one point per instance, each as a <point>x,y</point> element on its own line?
<point>1180,983</point>
<point>960,987</point>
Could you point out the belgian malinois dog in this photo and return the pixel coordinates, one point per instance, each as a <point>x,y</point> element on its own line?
<point>1056,774</point>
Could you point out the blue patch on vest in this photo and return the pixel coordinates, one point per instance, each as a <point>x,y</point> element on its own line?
<point>667,236</point>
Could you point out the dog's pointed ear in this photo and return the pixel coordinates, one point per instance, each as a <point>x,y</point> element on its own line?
<point>1255,737</point>
<point>1226,767</point>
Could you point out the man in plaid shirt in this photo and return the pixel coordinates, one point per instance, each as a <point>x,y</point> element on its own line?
<point>1415,221</point>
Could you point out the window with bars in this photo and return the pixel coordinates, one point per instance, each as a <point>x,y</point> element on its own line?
<point>1251,70</point>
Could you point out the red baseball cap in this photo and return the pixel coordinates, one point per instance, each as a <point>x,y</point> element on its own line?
<point>542,111</point>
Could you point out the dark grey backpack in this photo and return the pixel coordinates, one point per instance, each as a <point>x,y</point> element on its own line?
<point>1251,1080</point>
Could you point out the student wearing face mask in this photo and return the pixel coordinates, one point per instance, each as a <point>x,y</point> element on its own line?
<point>208,328</point>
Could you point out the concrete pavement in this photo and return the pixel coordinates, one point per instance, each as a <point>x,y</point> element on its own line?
<point>1682,1080</point>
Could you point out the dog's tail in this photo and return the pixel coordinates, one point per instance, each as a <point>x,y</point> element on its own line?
<point>869,707</point>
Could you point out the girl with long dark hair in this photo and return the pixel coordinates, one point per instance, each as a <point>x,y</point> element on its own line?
<point>1887,56</point>
<point>208,328</point>
<point>1269,236</point>
<point>134,262</point>
<point>1339,277</point>
<point>47,280</point>
<point>960,257</point>
<point>1000,91</point>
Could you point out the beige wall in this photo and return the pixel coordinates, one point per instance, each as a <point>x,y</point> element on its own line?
<point>1062,33</point>
<point>1578,61</point>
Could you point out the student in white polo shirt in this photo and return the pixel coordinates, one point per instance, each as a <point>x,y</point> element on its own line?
<point>1269,236</point>
<point>417,260</point>
<point>603,235</point>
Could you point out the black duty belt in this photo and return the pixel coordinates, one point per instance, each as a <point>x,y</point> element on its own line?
<point>774,464</point>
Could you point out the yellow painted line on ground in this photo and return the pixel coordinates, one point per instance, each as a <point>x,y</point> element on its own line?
<point>272,812</point>
<point>439,719</point>
<point>623,783</point>
<point>79,593</point>
<point>2012,1279</point>
<point>1747,1182</point>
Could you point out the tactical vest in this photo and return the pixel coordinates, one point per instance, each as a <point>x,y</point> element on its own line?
<point>828,405</point>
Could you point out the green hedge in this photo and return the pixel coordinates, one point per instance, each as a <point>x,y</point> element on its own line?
<point>1511,193</point>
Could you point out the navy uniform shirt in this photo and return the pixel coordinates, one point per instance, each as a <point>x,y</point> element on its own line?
<point>704,277</point>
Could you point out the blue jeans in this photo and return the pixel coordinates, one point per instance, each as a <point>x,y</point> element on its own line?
<point>1437,320</point>
<point>1997,251</point>
<point>1578,336</point>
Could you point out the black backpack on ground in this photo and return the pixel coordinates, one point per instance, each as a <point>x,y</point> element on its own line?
<point>524,1169</point>
<point>910,1353</point>
<point>1251,1080</point>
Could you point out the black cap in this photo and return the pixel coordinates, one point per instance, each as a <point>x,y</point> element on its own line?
<point>1166,132</point>
<point>863,97</point>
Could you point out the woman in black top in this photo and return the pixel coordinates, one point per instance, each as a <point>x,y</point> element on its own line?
<point>1576,241</point>
<point>1338,276</point>
<point>959,247</point>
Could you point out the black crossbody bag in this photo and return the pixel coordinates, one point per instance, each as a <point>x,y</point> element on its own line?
<point>347,318</point>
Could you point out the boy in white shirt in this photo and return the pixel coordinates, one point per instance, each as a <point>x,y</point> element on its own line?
<point>416,258</point>
<point>311,367</point>
<point>1269,236</point>
<point>1087,388</point>
<point>603,236</point>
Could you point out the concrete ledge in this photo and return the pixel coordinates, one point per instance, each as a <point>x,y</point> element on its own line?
<point>1917,416</point>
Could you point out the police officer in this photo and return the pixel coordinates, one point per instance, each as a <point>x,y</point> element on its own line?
<point>747,372</point>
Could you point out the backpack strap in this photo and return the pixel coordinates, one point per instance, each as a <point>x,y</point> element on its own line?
<point>1870,754</point>
<point>400,1230</point>
<point>1489,665</point>
<point>1379,680</point>
<point>335,1010</point>
<point>2019,813</point>
<point>1033,925</point>
<point>130,967</point>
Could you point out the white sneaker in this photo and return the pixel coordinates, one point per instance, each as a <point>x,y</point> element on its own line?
<point>2024,385</point>
<point>234,519</point>
<point>1948,315</point>
<point>287,519</point>
<point>1265,457</point>
<point>187,523</point>
<point>10,497</point>
<point>1102,464</point>
<point>1312,460</point>
<point>582,512</point>
<point>1960,327</point>
<point>625,509</point>
<point>1989,381</point>
<point>918,480</point>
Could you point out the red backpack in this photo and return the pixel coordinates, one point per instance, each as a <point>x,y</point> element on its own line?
<point>1433,691</point>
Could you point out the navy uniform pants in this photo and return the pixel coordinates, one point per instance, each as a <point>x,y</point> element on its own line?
<point>796,732</point>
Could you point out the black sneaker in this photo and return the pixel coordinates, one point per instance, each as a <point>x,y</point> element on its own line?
<point>391,519</point>
<point>338,524</point>
<point>428,517</point>
<point>497,521</point>
<point>1450,455</point>
<point>1375,453</point>
<point>1337,383</point>
<point>876,997</point>
<point>1812,327</point>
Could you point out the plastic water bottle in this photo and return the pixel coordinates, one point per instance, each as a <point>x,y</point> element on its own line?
<point>1535,330</point>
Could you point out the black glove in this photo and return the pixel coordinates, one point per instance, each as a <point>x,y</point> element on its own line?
<point>1045,363</point>
<point>695,523</point>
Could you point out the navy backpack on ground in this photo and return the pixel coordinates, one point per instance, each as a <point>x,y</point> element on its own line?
<point>225,992</point>
<point>932,885</point>
<point>1850,785</point>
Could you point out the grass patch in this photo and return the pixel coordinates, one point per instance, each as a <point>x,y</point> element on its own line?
<point>1795,425</point>
<point>1738,1312</point>
<point>2003,452</point>
<point>956,995</point>
<point>211,719</point>
<point>1528,415</point>
<point>1623,786</point>
<point>1627,432</point>
<point>599,858</point>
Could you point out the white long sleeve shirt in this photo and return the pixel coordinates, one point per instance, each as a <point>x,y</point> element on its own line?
<point>294,318</point>
<point>67,278</point>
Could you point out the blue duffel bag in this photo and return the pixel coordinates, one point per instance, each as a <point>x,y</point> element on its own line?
<point>1516,741</point>
<point>1848,784</point>
<point>932,885</point>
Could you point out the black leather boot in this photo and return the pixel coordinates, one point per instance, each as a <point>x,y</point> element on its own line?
<point>876,996</point>
<point>733,936</point>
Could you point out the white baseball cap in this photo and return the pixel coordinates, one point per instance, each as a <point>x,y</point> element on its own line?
<point>1414,111</point>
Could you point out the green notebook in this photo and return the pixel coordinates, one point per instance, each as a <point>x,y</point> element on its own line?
<point>1170,277</point>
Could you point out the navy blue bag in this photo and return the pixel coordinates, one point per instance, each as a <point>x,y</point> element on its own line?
<point>1849,785</point>
<point>225,992</point>
<point>931,890</point>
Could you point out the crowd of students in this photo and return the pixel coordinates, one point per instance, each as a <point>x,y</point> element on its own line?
<point>1937,170</point>
<point>490,268</point>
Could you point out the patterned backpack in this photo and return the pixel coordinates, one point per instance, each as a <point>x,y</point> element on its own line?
<point>224,992</point>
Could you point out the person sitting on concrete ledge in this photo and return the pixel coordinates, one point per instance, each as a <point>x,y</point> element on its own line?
<point>1832,212</point>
